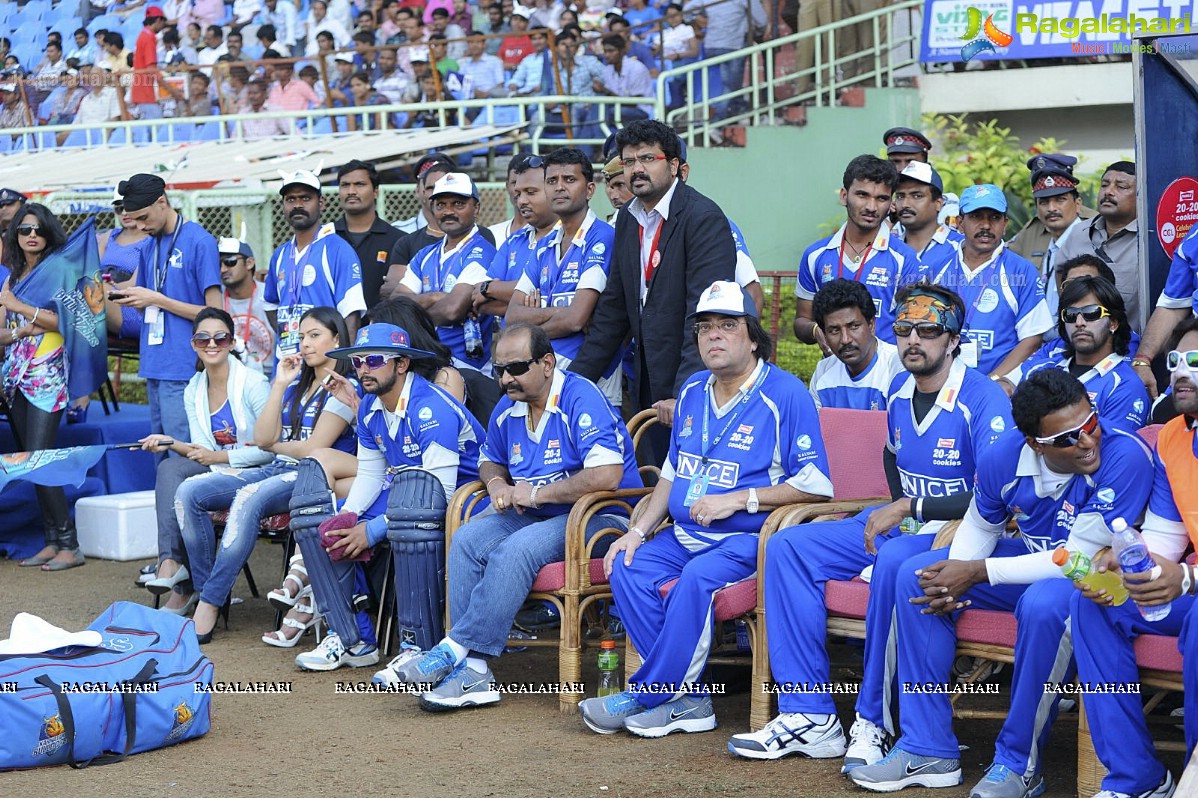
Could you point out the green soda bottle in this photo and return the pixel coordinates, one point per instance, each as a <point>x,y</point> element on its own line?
<point>1077,567</point>
<point>609,669</point>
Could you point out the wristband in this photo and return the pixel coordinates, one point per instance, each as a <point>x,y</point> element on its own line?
<point>35,312</point>
<point>532,497</point>
<point>640,533</point>
<point>1187,579</point>
<point>1139,361</point>
<point>919,510</point>
<point>492,479</point>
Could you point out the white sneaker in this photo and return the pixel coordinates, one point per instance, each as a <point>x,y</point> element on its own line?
<point>1163,790</point>
<point>331,654</point>
<point>389,676</point>
<point>792,733</point>
<point>867,745</point>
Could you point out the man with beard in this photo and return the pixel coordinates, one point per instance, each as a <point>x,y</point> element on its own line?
<point>917,204</point>
<point>552,439</point>
<point>404,421</point>
<point>1064,482</point>
<point>316,267</point>
<point>1007,312</point>
<point>862,250</point>
<point>942,416</point>
<point>371,237</point>
<point>1104,634</point>
<point>861,367</point>
<point>442,276</point>
<point>1093,322</point>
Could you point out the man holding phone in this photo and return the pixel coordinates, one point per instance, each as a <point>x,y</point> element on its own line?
<point>245,300</point>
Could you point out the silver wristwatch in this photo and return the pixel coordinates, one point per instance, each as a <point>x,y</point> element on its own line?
<point>752,505</point>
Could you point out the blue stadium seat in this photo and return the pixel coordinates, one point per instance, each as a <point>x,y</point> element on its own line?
<point>118,138</point>
<point>84,137</point>
<point>209,131</point>
<point>183,131</point>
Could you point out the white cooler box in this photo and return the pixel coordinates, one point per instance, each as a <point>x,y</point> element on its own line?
<point>122,526</point>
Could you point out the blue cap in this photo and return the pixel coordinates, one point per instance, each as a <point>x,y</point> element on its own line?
<point>383,338</point>
<point>9,196</point>
<point>986,195</point>
<point>1049,160</point>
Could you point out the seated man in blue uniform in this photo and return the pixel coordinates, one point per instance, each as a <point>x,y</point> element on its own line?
<point>745,439</point>
<point>1064,482</point>
<point>858,373</point>
<point>553,438</point>
<point>943,415</point>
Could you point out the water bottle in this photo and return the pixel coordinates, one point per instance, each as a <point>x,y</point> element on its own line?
<point>1134,558</point>
<point>1079,568</point>
<point>474,338</point>
<point>610,682</point>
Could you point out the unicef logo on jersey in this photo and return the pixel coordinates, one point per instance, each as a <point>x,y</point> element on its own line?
<point>997,424</point>
<point>425,413</point>
<point>804,442</point>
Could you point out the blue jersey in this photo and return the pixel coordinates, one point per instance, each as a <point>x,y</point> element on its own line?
<point>516,256</point>
<point>319,402</point>
<point>1004,304</point>
<point>430,429</point>
<point>1181,286</point>
<point>941,250</point>
<point>182,265</point>
<point>1116,391</point>
<point>577,430</point>
<point>325,274</point>
<point>833,386</point>
<point>889,264</point>
<point>746,272</point>
<point>767,434</point>
<point>938,456</point>
<point>433,270</point>
<point>584,265</point>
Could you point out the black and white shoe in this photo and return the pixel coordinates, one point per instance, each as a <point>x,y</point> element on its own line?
<point>815,736</point>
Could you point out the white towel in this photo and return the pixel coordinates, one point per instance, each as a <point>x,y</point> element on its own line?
<point>32,635</point>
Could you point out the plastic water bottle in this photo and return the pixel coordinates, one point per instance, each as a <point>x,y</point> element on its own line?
<point>1134,558</point>
<point>474,337</point>
<point>610,682</point>
<point>1079,568</point>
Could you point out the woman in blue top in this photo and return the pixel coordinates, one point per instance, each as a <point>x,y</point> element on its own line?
<point>122,251</point>
<point>223,401</point>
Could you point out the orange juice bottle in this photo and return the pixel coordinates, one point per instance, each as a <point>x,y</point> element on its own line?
<point>1078,567</point>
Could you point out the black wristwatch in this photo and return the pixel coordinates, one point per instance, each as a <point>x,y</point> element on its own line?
<point>482,289</point>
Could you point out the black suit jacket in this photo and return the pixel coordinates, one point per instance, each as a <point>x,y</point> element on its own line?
<point>696,250</point>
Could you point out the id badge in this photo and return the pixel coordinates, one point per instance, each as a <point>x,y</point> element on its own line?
<point>697,489</point>
<point>969,354</point>
<point>157,324</point>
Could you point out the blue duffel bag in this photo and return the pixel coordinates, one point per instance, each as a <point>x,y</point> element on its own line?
<point>142,687</point>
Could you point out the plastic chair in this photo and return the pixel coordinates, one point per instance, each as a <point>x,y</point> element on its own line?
<point>209,131</point>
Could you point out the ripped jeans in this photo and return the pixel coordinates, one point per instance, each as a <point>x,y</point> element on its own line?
<point>249,494</point>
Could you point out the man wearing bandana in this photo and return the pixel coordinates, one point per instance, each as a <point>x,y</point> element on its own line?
<point>942,415</point>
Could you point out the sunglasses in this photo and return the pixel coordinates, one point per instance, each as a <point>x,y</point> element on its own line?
<point>222,339</point>
<point>927,330</point>
<point>1070,437</point>
<point>534,162</point>
<point>1175,358</point>
<point>371,362</point>
<point>30,230</point>
<point>516,368</point>
<point>1087,312</point>
<point>230,262</point>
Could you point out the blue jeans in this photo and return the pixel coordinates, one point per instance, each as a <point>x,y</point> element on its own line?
<point>172,474</point>
<point>249,494</point>
<point>493,562</point>
<point>168,413</point>
<point>732,78</point>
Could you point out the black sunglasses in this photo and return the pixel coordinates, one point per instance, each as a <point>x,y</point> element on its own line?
<point>1087,312</point>
<point>1071,437</point>
<point>925,329</point>
<point>516,368</point>
<point>222,339</point>
<point>30,230</point>
<point>230,261</point>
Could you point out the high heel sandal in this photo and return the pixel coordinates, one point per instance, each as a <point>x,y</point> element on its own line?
<point>41,558</point>
<point>283,598</point>
<point>223,612</point>
<point>279,638</point>
<point>165,584</point>
<point>186,609</point>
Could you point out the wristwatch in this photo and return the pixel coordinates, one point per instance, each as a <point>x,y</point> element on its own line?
<point>752,505</point>
<point>482,289</point>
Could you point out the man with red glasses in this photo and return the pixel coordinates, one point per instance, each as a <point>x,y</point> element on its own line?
<point>1104,634</point>
<point>405,421</point>
<point>1064,482</point>
<point>552,439</point>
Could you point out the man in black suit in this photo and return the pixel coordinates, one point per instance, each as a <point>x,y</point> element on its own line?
<point>671,243</point>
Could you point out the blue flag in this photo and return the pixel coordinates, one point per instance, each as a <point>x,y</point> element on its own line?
<point>50,466</point>
<point>68,282</point>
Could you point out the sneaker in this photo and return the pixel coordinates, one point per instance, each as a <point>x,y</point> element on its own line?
<point>792,733</point>
<point>607,715</point>
<point>1163,790</point>
<point>690,713</point>
<point>463,687</point>
<point>331,655</point>
<point>867,745</point>
<point>389,676</point>
<point>900,769</point>
<point>537,617</point>
<point>429,668</point>
<point>1002,782</point>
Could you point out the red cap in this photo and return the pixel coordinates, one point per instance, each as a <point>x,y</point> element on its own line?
<point>153,12</point>
<point>1060,556</point>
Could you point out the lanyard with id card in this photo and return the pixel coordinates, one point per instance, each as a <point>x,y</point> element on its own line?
<point>153,318</point>
<point>700,480</point>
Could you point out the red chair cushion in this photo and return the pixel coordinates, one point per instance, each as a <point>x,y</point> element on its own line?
<point>847,599</point>
<point>553,576</point>
<point>1158,653</point>
<point>987,626</point>
<point>730,602</point>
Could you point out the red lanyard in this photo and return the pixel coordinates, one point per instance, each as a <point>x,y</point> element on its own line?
<point>654,254</point>
<point>249,312</point>
<point>860,263</point>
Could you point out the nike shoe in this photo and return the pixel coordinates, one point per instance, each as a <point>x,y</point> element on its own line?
<point>389,676</point>
<point>867,745</point>
<point>1002,782</point>
<point>429,668</point>
<point>463,687</point>
<point>690,713</point>
<point>607,715</point>
<point>331,654</point>
<point>900,769</point>
<point>792,733</point>
<point>1163,790</point>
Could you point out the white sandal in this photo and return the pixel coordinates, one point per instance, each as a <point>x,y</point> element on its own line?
<point>282,598</point>
<point>279,638</point>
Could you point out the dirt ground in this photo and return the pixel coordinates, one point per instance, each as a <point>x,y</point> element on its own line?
<point>316,742</point>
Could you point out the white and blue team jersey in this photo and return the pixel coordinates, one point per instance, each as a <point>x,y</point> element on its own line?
<point>1116,391</point>
<point>434,269</point>
<point>1181,286</point>
<point>1004,304</point>
<point>516,256</point>
<point>940,251</point>
<point>578,429</point>
<point>887,266</point>
<point>767,434</point>
<point>746,272</point>
<point>320,402</point>
<point>324,274</point>
<point>833,386</point>
<point>938,457</point>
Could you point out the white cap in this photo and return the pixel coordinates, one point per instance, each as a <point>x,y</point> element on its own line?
<point>726,298</point>
<point>521,11</point>
<point>455,183</point>
<point>300,177</point>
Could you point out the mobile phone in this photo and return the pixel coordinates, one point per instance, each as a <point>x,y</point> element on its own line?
<point>329,383</point>
<point>115,295</point>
